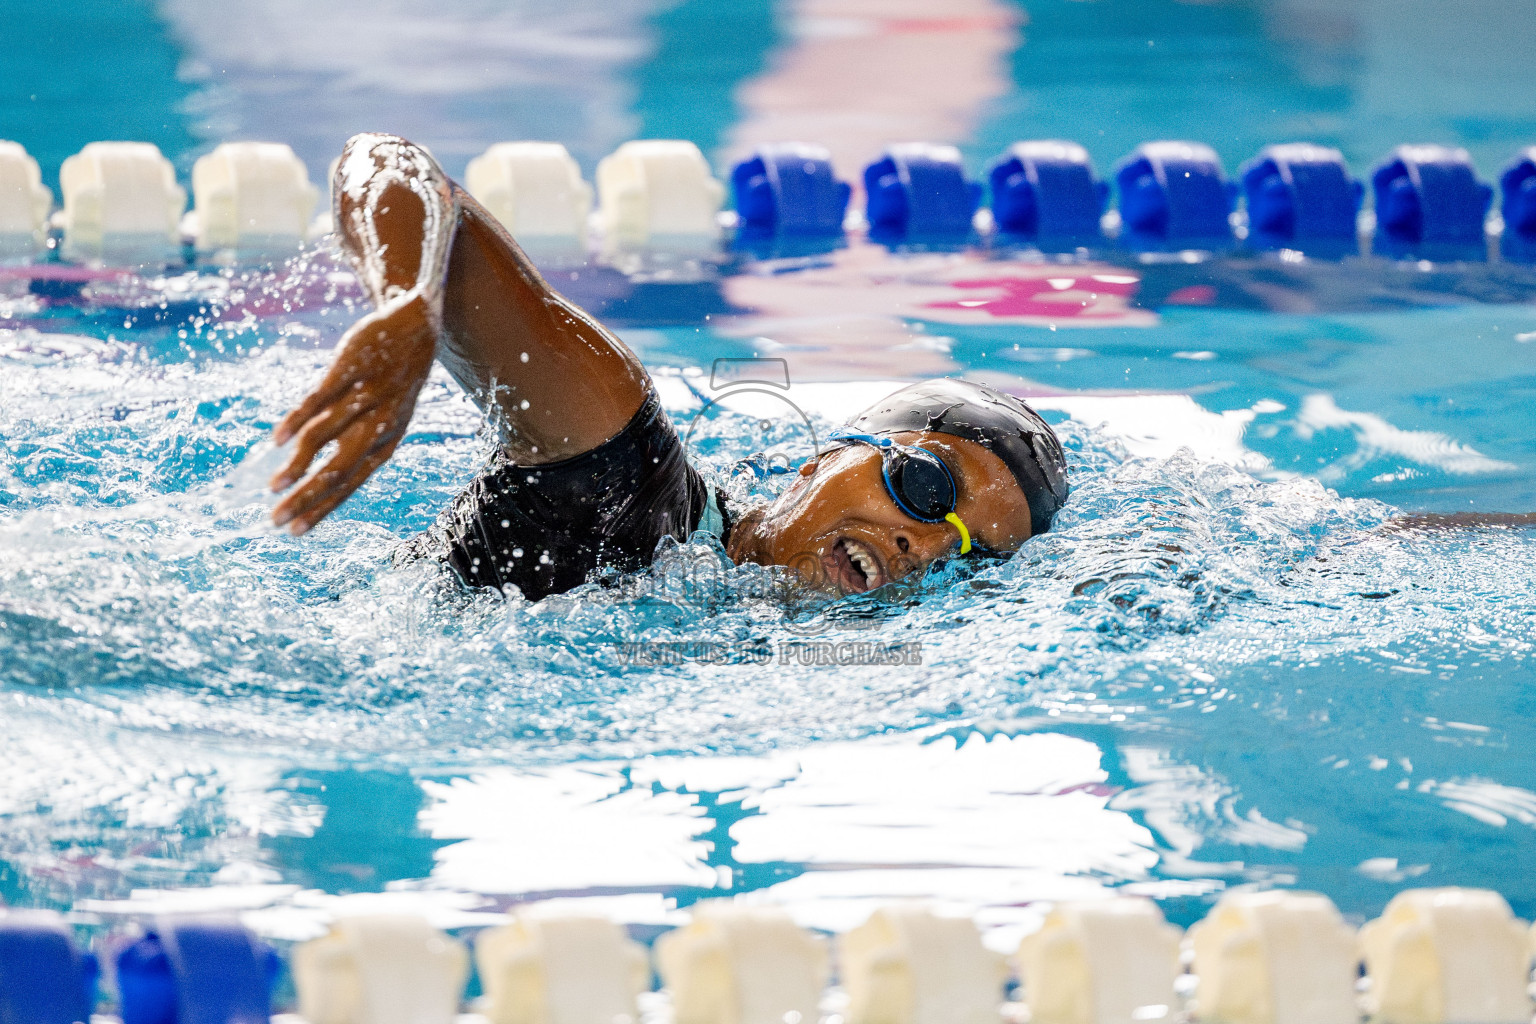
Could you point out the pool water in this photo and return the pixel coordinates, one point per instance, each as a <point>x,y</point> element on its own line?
<point>1228,665</point>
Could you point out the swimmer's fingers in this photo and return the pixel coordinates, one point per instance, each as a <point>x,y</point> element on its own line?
<point>340,492</point>
<point>362,448</point>
<point>389,351</point>
<point>364,403</point>
<point>313,403</point>
<point>348,373</point>
<point>318,429</point>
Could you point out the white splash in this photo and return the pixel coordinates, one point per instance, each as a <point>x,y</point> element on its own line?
<point>1376,437</point>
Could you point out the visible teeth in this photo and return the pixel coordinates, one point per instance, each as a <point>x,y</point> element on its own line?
<point>861,557</point>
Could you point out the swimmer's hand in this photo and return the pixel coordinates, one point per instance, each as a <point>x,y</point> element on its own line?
<point>364,404</point>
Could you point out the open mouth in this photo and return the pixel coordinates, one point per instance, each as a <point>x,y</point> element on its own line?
<point>856,568</point>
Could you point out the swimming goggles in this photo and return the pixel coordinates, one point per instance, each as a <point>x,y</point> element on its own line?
<point>917,480</point>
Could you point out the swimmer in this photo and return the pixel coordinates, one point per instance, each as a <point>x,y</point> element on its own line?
<point>589,472</point>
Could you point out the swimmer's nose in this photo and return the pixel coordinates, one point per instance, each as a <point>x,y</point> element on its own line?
<point>914,551</point>
<point>924,547</point>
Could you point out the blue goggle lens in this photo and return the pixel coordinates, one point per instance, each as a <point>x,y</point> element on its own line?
<point>917,480</point>
<point>921,484</point>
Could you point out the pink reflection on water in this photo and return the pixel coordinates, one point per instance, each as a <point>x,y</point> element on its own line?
<point>1026,298</point>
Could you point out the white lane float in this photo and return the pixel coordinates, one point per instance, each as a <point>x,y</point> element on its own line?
<point>24,199</point>
<point>909,965</point>
<point>1447,956</point>
<point>561,970</point>
<point>120,191</point>
<point>251,193</point>
<point>742,965</point>
<point>534,188</point>
<point>1112,961</point>
<point>1276,958</point>
<point>657,187</point>
<point>380,969</point>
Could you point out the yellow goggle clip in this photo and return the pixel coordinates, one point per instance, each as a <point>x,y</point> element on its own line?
<point>965,535</point>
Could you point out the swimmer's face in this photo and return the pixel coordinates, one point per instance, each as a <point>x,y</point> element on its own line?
<point>837,526</point>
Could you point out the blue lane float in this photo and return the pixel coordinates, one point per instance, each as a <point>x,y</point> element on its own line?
<point>44,979</point>
<point>197,971</point>
<point>920,190</point>
<point>1047,190</point>
<point>1299,195</point>
<point>789,189</point>
<point>1174,194</point>
<point>1518,184</point>
<point>1429,195</point>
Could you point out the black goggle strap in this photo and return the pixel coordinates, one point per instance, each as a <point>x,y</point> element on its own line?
<point>890,451</point>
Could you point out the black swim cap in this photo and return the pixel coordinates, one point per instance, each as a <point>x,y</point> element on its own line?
<point>1000,423</point>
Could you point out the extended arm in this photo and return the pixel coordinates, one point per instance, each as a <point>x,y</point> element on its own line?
<point>449,282</point>
<point>395,215</point>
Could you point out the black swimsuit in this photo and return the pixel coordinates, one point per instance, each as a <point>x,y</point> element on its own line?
<point>545,528</point>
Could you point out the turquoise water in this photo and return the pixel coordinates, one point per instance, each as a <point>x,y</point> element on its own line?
<point>1224,667</point>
